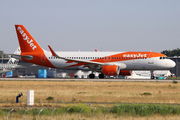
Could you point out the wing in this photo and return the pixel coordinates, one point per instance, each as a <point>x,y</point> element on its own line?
<point>90,64</point>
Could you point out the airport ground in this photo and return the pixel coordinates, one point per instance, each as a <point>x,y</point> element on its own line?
<point>74,91</point>
<point>90,90</point>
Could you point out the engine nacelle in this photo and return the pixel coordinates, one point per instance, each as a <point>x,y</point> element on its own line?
<point>125,73</point>
<point>111,70</point>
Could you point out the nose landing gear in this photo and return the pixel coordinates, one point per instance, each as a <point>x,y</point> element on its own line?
<point>152,74</point>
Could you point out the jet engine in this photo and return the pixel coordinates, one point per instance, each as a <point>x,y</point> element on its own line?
<point>111,70</point>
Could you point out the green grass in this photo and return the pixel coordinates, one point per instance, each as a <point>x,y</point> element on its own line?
<point>146,93</point>
<point>145,109</point>
<point>119,109</point>
<point>175,82</point>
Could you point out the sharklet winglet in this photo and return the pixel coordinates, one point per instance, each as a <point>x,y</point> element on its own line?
<point>52,51</point>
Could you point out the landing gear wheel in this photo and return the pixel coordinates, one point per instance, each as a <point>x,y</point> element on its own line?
<point>101,76</point>
<point>152,77</point>
<point>91,76</point>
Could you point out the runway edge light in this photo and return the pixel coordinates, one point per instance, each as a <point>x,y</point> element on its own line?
<point>30,97</point>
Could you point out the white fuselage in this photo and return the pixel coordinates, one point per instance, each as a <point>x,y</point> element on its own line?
<point>153,63</point>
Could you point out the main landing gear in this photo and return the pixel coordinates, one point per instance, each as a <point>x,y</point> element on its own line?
<point>92,76</point>
<point>152,74</point>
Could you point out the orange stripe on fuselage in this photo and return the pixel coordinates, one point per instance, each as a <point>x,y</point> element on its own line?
<point>128,56</point>
<point>71,61</point>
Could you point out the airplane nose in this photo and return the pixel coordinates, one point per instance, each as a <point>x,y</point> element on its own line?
<point>173,64</point>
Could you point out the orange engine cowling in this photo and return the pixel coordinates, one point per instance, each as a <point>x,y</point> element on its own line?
<point>125,73</point>
<point>111,70</point>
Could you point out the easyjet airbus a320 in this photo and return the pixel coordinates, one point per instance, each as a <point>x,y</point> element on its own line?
<point>107,63</point>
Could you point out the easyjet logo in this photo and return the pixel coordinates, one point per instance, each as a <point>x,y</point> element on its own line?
<point>135,55</point>
<point>25,37</point>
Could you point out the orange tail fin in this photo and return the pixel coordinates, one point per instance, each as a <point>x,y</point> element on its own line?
<point>26,41</point>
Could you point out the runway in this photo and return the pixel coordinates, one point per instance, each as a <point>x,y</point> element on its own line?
<point>93,80</point>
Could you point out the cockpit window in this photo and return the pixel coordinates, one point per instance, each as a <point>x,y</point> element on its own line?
<point>163,58</point>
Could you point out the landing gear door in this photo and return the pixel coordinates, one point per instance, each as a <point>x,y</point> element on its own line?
<point>151,59</point>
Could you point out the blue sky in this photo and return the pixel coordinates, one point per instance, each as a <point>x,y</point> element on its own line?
<point>86,25</point>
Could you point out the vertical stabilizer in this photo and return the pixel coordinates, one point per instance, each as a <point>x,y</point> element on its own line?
<point>13,60</point>
<point>30,49</point>
<point>26,41</point>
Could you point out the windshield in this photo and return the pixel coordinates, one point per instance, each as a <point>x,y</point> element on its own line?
<point>163,58</point>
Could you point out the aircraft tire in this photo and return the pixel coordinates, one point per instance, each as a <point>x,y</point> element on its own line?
<point>91,76</point>
<point>101,76</point>
<point>152,77</point>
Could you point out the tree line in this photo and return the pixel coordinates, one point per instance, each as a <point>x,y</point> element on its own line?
<point>171,53</point>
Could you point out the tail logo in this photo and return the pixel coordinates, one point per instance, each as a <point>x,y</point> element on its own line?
<point>25,37</point>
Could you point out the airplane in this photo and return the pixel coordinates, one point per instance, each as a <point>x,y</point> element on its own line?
<point>12,64</point>
<point>107,63</point>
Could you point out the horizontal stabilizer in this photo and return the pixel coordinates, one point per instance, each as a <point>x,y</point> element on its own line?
<point>28,57</point>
